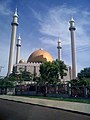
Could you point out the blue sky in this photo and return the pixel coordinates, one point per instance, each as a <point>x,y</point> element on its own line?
<point>41,22</point>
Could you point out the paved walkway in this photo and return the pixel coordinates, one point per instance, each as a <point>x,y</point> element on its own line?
<point>72,106</point>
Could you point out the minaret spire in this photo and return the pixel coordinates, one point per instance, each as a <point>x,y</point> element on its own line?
<point>59,47</point>
<point>72,19</point>
<point>12,45</point>
<point>18,49</point>
<point>73,49</point>
<point>15,14</point>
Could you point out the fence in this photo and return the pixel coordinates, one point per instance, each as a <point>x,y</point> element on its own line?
<point>63,90</point>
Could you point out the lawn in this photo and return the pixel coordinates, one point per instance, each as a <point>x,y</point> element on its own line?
<point>81,100</point>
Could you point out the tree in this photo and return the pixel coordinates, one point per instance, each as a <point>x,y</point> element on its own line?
<point>62,68</point>
<point>79,82</point>
<point>4,84</point>
<point>84,76</point>
<point>20,76</point>
<point>50,71</point>
<point>85,73</point>
<point>13,76</point>
<point>27,76</point>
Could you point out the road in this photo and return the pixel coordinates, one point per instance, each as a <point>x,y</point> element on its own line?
<point>10,110</point>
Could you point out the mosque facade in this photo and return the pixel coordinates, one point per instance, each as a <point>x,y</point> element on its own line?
<point>37,57</point>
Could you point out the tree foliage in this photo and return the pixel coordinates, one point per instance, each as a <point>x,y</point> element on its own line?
<point>84,76</point>
<point>50,71</point>
<point>85,73</point>
<point>79,82</point>
<point>62,68</point>
<point>23,75</point>
<point>4,83</point>
<point>27,76</point>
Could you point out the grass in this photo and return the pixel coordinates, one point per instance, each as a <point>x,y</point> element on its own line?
<point>80,100</point>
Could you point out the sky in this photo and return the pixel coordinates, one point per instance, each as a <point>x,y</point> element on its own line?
<point>41,23</point>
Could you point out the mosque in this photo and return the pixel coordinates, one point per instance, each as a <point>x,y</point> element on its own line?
<point>39,56</point>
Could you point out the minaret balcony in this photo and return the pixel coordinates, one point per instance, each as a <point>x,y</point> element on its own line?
<point>72,28</point>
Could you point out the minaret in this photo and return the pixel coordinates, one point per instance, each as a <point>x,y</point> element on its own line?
<point>12,45</point>
<point>73,50</point>
<point>59,47</point>
<point>18,49</point>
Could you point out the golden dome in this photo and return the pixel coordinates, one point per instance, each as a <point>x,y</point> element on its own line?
<point>40,56</point>
<point>22,61</point>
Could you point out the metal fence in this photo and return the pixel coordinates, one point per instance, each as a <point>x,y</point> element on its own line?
<point>63,90</point>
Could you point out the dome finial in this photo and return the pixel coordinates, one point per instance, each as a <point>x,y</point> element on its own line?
<point>41,48</point>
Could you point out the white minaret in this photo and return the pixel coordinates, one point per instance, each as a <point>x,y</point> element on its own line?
<point>59,47</point>
<point>12,45</point>
<point>18,49</point>
<point>73,49</point>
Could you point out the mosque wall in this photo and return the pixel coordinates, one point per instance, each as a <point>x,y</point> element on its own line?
<point>35,67</point>
<point>29,67</point>
<point>68,76</point>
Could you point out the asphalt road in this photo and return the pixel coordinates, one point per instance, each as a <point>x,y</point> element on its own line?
<point>10,110</point>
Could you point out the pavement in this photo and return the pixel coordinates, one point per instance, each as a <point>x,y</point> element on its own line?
<point>12,110</point>
<point>63,105</point>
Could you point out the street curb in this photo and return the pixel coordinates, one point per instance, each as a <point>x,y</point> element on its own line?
<point>47,106</point>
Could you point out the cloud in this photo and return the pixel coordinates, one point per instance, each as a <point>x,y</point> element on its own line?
<point>37,15</point>
<point>4,7</point>
<point>55,23</point>
<point>86,13</point>
<point>4,59</point>
<point>52,24</point>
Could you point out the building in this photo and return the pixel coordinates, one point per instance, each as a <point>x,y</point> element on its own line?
<point>34,61</point>
<point>36,58</point>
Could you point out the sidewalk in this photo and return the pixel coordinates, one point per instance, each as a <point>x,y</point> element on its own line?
<point>71,106</point>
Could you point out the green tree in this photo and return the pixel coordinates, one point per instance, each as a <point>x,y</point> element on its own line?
<point>5,83</point>
<point>49,73</point>
<point>62,68</point>
<point>27,76</point>
<point>79,82</point>
<point>13,76</point>
<point>84,76</point>
<point>20,76</point>
<point>85,73</point>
